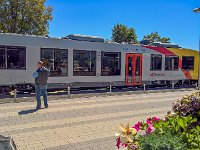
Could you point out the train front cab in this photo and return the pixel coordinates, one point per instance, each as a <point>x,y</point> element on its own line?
<point>133,69</point>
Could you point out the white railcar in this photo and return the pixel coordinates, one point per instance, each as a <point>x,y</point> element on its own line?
<point>81,61</point>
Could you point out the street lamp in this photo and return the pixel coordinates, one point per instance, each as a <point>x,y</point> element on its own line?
<point>197,10</point>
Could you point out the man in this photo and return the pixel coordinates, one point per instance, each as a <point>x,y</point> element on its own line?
<point>41,77</point>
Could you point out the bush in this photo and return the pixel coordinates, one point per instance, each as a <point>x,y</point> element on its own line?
<point>181,125</point>
<point>172,133</point>
<point>165,141</point>
<point>188,105</point>
<point>192,138</point>
<point>179,130</point>
<point>175,124</point>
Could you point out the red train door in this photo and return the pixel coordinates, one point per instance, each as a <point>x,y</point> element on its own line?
<point>133,69</point>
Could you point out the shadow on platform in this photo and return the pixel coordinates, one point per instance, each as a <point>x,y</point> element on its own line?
<point>29,111</point>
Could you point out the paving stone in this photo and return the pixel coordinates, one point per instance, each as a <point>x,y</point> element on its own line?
<point>80,123</point>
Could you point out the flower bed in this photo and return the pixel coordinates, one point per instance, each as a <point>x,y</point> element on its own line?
<point>176,131</point>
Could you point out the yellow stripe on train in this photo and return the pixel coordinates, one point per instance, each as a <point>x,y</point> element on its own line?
<point>188,52</point>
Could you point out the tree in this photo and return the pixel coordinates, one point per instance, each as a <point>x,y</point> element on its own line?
<point>121,33</point>
<point>25,17</point>
<point>155,37</point>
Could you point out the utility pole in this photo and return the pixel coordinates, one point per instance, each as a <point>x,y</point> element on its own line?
<point>197,10</point>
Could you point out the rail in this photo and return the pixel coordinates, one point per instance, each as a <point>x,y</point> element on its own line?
<point>71,92</point>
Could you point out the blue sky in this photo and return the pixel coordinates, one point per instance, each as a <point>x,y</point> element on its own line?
<point>170,18</point>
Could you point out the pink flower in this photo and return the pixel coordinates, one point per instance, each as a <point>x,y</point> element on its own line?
<point>124,145</point>
<point>118,143</point>
<point>155,119</point>
<point>134,146</point>
<point>137,126</point>
<point>149,120</point>
<point>149,129</point>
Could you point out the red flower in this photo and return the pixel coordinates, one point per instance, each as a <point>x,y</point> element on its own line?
<point>118,143</point>
<point>149,129</point>
<point>137,126</point>
<point>149,120</point>
<point>155,119</point>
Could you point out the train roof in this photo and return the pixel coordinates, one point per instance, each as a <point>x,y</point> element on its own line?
<point>88,38</point>
<point>166,45</point>
<point>95,39</point>
<point>72,37</point>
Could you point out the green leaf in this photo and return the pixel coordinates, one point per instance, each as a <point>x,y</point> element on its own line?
<point>121,33</point>
<point>155,37</point>
<point>25,16</point>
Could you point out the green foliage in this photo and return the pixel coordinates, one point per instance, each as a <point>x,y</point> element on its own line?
<point>165,141</point>
<point>181,125</point>
<point>25,16</point>
<point>192,138</point>
<point>154,37</point>
<point>179,130</point>
<point>121,33</point>
<point>175,124</point>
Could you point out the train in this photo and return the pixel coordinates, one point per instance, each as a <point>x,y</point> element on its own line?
<point>79,61</point>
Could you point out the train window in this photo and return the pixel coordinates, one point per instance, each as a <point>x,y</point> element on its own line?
<point>188,62</point>
<point>110,63</point>
<point>171,63</point>
<point>2,58</point>
<point>156,62</point>
<point>12,57</point>
<point>84,63</point>
<point>16,57</point>
<point>56,60</point>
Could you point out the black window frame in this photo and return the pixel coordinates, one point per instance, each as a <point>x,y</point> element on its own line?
<point>174,63</point>
<point>151,69</point>
<point>52,75</point>
<point>89,51</point>
<point>193,63</point>
<point>120,55</point>
<point>3,54</point>
<point>8,48</point>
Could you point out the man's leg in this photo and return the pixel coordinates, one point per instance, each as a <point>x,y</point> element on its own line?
<point>37,96</point>
<point>44,94</point>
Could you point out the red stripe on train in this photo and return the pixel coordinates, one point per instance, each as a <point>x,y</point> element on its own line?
<point>167,52</point>
<point>161,50</point>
